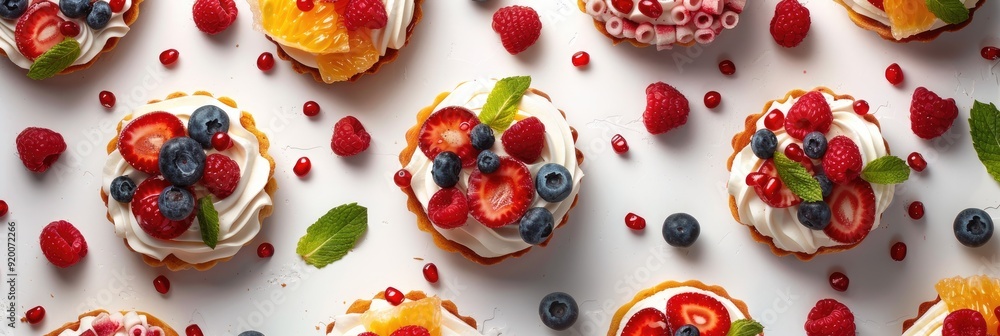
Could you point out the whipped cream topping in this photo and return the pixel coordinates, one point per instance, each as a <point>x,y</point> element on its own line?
<point>127,322</point>
<point>239,214</point>
<point>559,148</point>
<point>864,7</point>
<point>350,324</point>
<point>782,224</point>
<point>659,301</point>
<point>91,41</point>
<point>931,322</point>
<point>681,21</point>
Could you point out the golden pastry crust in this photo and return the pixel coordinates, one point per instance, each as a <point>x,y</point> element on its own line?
<point>150,319</point>
<point>742,139</point>
<point>886,32</point>
<point>362,306</point>
<point>389,57</point>
<point>246,119</point>
<point>425,224</point>
<point>616,40</point>
<point>924,307</point>
<point>619,317</point>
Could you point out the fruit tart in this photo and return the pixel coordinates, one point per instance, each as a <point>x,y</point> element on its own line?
<point>911,20</point>
<point>188,181</point>
<point>100,322</point>
<point>672,307</point>
<point>337,40</point>
<point>964,306</point>
<point>663,23</point>
<point>810,176</point>
<point>491,169</point>
<point>414,314</point>
<point>50,37</point>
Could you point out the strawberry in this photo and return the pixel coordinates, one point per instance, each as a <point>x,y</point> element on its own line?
<point>519,27</point>
<point>790,23</point>
<point>222,175</point>
<point>842,161</point>
<point>700,310</point>
<point>783,198</point>
<point>853,208</point>
<point>666,108</point>
<point>501,198</point>
<point>646,322</point>
<point>524,140</point>
<point>830,318</point>
<point>448,130</point>
<point>37,30</point>
<point>448,208</point>
<point>930,115</point>
<point>964,322</point>
<point>146,210</point>
<point>880,4</point>
<point>62,244</point>
<point>214,16</point>
<point>412,330</point>
<point>349,137</point>
<point>369,14</point>
<point>103,325</point>
<point>140,140</point>
<point>39,148</point>
<point>810,113</point>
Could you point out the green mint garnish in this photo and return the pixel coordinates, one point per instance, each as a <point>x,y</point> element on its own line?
<point>984,124</point>
<point>57,59</point>
<point>501,104</point>
<point>949,11</point>
<point>333,235</point>
<point>745,327</point>
<point>208,221</point>
<point>797,178</point>
<point>886,170</point>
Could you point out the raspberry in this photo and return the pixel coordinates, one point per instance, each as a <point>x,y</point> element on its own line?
<point>830,318</point>
<point>666,108</point>
<point>349,137</point>
<point>524,140</point>
<point>518,26</point>
<point>811,113</point>
<point>39,148</point>
<point>448,208</point>
<point>842,162</point>
<point>964,322</point>
<point>411,331</point>
<point>214,16</point>
<point>62,244</point>
<point>222,175</point>
<point>790,23</point>
<point>369,14</point>
<point>930,115</point>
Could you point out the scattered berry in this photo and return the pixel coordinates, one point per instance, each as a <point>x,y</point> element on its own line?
<point>449,129</point>
<point>369,14</point>
<point>205,122</point>
<point>703,311</point>
<point>122,189</point>
<point>764,143</point>
<point>842,162</point>
<point>898,251</point>
<point>558,311</point>
<point>222,175</point>
<point>774,120</point>
<point>448,208</point>
<point>193,330</point>
<point>973,227</point>
<point>62,244</point>
<point>814,215</point>
<point>107,99</point>
<point>488,161</point>
<point>214,16</point>
<point>99,16</point>
<point>861,107</point>
<point>790,23</point>
<point>145,208</point>
<point>894,74</point>
<point>990,53</point>
<point>221,141</point>
<point>666,108</point>
<point>815,145</point>
<point>501,198</point>
<point>117,6</point>
<point>265,62</point>
<point>839,281</point>
<point>39,148</point>
<point>794,151</point>
<point>681,230</point>
<point>581,58</point>
<point>713,99</point>
<point>830,317</point>
<point>394,296</point>
<point>305,5</point>
<point>930,115</point>
<point>519,27</point>
<point>3,208</point>
<point>482,137</point>
<point>302,166</point>
<point>525,139</point>
<point>916,210</point>
<point>310,109</point>
<point>727,67</point>
<point>964,322</point>
<point>349,137</point>
<point>536,226</point>
<point>854,202</point>
<point>169,57</point>
<point>445,169</point>
<point>69,29</point>
<point>553,183</point>
<point>635,222</point>
<point>265,250</point>
<point>619,144</point>
<point>402,178</point>
<point>810,113</point>
<point>647,321</point>
<point>35,315</point>
<point>162,284</point>
<point>182,161</point>
<point>431,273</point>
<point>916,162</point>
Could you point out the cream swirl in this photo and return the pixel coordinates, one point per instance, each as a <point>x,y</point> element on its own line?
<point>864,7</point>
<point>239,214</point>
<point>781,224</point>
<point>559,148</point>
<point>350,324</point>
<point>128,321</point>
<point>659,301</point>
<point>930,323</point>
<point>91,41</point>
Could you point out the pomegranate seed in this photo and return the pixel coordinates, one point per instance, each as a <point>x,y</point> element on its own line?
<point>990,53</point>
<point>650,8</point>
<point>117,5</point>
<point>169,57</point>
<point>305,5</point>
<point>431,273</point>
<point>772,186</point>
<point>839,281</point>
<point>755,179</point>
<point>162,284</point>
<point>69,29</point>
<point>712,99</point>
<point>727,67</point>
<point>265,250</point>
<point>3,208</point>
<point>221,141</point>
<point>794,151</point>
<point>915,210</point>
<point>193,330</point>
<point>861,107</point>
<point>619,144</point>
<point>402,178</point>
<point>107,99</point>
<point>774,120</point>
<point>635,222</point>
<point>35,315</point>
<point>310,108</point>
<point>581,58</point>
<point>894,74</point>
<point>265,61</point>
<point>916,162</point>
<point>302,166</point>
<point>394,296</point>
<point>898,251</point>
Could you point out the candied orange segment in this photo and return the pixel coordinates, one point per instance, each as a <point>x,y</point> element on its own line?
<point>979,293</point>
<point>342,66</point>
<point>424,312</point>
<point>908,17</point>
<point>319,31</point>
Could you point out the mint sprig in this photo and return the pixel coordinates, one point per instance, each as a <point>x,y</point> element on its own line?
<point>797,178</point>
<point>886,170</point>
<point>208,221</point>
<point>57,59</point>
<point>333,235</point>
<point>501,104</point>
<point>949,11</point>
<point>745,327</point>
<point>984,124</point>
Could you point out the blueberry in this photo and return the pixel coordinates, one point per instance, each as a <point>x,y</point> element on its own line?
<point>447,166</point>
<point>100,15</point>
<point>973,227</point>
<point>182,161</point>
<point>12,9</point>
<point>122,189</point>
<point>176,203</point>
<point>687,330</point>
<point>488,161</point>
<point>764,143</point>
<point>482,137</point>
<point>74,9</point>
<point>536,225</point>
<point>251,333</point>
<point>814,145</point>
<point>681,230</point>
<point>824,183</point>
<point>205,122</point>
<point>553,182</point>
<point>814,215</point>
<point>558,311</point>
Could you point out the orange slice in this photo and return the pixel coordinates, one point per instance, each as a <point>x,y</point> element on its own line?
<point>342,66</point>
<point>319,31</point>
<point>424,312</point>
<point>908,17</point>
<point>979,293</point>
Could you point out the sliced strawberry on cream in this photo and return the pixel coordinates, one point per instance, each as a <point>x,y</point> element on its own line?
<point>37,30</point>
<point>703,311</point>
<point>853,208</point>
<point>648,321</point>
<point>140,140</point>
<point>448,130</point>
<point>501,198</point>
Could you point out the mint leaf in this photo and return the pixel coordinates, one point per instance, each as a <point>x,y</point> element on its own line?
<point>57,59</point>
<point>797,178</point>
<point>949,11</point>
<point>984,124</point>
<point>886,170</point>
<point>501,104</point>
<point>745,327</point>
<point>208,221</point>
<point>333,235</point>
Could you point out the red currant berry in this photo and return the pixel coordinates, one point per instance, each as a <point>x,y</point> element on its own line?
<point>310,108</point>
<point>193,330</point>
<point>265,61</point>
<point>861,107</point>
<point>302,166</point>
<point>651,8</point>
<point>916,162</point>
<point>581,58</point>
<point>839,281</point>
<point>712,99</point>
<point>394,296</point>
<point>265,250</point>
<point>221,141</point>
<point>772,186</point>
<point>894,74</point>
<point>915,210</point>
<point>305,5</point>
<point>774,120</point>
<point>35,315</point>
<point>990,53</point>
<point>898,251</point>
<point>755,179</point>
<point>794,151</point>
<point>107,99</point>
<point>402,178</point>
<point>69,29</point>
<point>727,67</point>
<point>431,273</point>
<point>162,284</point>
<point>117,6</point>
<point>635,222</point>
<point>619,144</point>
<point>3,208</point>
<point>169,57</point>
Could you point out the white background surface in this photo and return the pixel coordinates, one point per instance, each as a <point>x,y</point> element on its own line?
<point>595,258</point>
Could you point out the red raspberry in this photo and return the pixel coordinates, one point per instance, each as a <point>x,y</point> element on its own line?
<point>810,113</point>
<point>39,148</point>
<point>790,23</point>
<point>411,331</point>
<point>349,137</point>
<point>842,162</point>
<point>830,318</point>
<point>930,115</point>
<point>524,140</point>
<point>62,244</point>
<point>448,208</point>
<point>666,108</point>
<point>964,322</point>
<point>369,14</point>
<point>518,26</point>
<point>214,16</point>
<point>222,175</point>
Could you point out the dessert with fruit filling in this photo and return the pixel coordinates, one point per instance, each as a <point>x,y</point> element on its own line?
<point>104,323</point>
<point>684,308</point>
<point>663,23</point>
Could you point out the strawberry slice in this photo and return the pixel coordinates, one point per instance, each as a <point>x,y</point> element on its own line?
<point>142,138</point>
<point>524,140</point>
<point>447,130</point>
<point>853,207</point>
<point>880,4</point>
<point>501,198</point>
<point>646,322</point>
<point>700,310</point>
<point>783,198</point>
<point>145,208</point>
<point>105,326</point>
<point>37,30</point>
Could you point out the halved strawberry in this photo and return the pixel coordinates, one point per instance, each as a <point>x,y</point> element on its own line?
<point>524,140</point>
<point>501,198</point>
<point>145,208</point>
<point>784,197</point>
<point>646,322</point>
<point>142,138</point>
<point>448,130</point>
<point>37,30</point>
<point>700,310</point>
<point>853,207</point>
